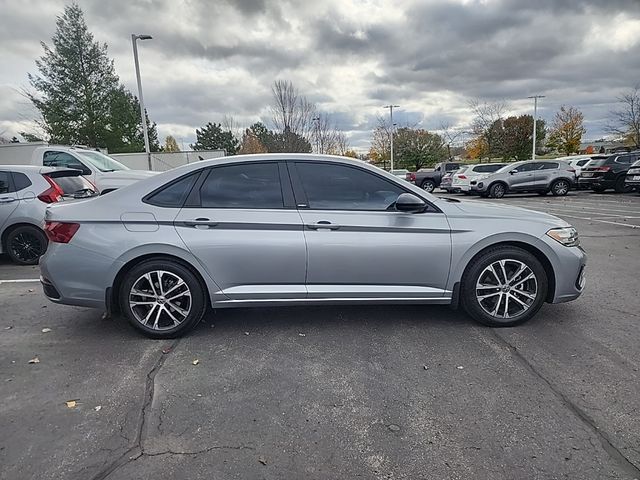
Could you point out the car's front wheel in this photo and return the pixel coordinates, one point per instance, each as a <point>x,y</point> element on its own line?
<point>503,287</point>
<point>621,186</point>
<point>560,188</point>
<point>162,298</point>
<point>497,190</point>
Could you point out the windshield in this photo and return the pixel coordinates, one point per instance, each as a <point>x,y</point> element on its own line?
<point>101,161</point>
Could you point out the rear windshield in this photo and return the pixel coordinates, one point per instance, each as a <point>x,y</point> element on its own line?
<point>597,161</point>
<point>75,185</point>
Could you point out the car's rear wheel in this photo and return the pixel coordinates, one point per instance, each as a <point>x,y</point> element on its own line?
<point>620,186</point>
<point>560,188</point>
<point>503,287</point>
<point>162,298</point>
<point>26,244</point>
<point>497,190</point>
<point>428,186</point>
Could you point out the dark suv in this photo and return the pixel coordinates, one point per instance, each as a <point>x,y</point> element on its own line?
<point>633,176</point>
<point>608,171</point>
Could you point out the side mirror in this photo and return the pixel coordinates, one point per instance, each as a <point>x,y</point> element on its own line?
<point>79,166</point>
<point>407,202</point>
<point>515,170</point>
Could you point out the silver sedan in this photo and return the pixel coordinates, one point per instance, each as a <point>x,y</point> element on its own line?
<point>290,229</point>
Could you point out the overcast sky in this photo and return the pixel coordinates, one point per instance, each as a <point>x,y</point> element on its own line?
<point>351,57</point>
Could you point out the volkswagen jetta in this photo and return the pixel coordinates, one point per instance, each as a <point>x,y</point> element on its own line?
<point>289,229</point>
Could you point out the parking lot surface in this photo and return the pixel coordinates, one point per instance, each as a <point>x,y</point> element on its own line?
<point>336,392</point>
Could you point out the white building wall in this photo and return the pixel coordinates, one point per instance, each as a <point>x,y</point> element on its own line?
<point>162,161</point>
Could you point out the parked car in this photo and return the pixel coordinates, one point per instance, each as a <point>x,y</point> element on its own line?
<point>461,178</point>
<point>529,176</point>
<point>633,177</point>
<point>103,171</point>
<point>429,180</point>
<point>576,161</point>
<point>445,183</point>
<point>608,172</point>
<point>25,192</point>
<point>291,229</point>
<point>400,173</point>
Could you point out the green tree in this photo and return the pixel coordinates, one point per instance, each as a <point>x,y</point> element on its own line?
<point>518,137</point>
<point>124,133</point>
<point>170,144</point>
<point>417,148</point>
<point>212,137</point>
<point>567,130</point>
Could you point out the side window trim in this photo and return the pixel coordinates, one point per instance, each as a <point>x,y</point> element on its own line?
<point>303,203</point>
<point>147,198</point>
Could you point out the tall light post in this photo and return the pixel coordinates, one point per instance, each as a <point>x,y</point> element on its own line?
<point>535,120</point>
<point>316,120</point>
<point>391,107</point>
<point>134,39</point>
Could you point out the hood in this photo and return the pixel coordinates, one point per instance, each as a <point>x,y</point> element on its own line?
<point>479,210</point>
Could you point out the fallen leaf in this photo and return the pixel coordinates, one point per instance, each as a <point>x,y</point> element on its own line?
<point>460,367</point>
<point>97,408</point>
<point>302,334</point>
<point>394,428</point>
<point>195,362</point>
<point>9,327</point>
<point>46,330</point>
<point>425,367</point>
<point>262,460</point>
<point>166,350</point>
<point>34,360</point>
<point>71,403</point>
<point>246,333</point>
<point>31,290</point>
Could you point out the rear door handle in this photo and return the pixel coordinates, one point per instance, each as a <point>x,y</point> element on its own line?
<point>322,225</point>
<point>199,222</point>
<point>7,200</point>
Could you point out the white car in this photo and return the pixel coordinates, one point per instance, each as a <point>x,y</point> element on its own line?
<point>400,173</point>
<point>462,177</point>
<point>576,161</point>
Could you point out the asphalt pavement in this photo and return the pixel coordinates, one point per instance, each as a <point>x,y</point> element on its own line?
<point>336,392</point>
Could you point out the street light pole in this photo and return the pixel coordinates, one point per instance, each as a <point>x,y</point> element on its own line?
<point>391,107</point>
<point>316,120</point>
<point>145,133</point>
<point>535,120</point>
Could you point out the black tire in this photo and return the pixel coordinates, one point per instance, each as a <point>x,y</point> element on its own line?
<point>598,189</point>
<point>26,244</point>
<point>497,190</point>
<point>196,304</point>
<point>543,192</point>
<point>476,269</point>
<point>620,186</point>
<point>560,188</point>
<point>428,186</point>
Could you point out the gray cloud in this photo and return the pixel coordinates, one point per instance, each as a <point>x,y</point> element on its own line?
<point>209,59</point>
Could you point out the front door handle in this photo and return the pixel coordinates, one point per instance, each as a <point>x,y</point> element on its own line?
<point>322,225</point>
<point>7,200</point>
<point>199,222</point>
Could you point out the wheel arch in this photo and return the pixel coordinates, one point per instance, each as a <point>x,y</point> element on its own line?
<point>113,289</point>
<point>12,227</point>
<point>495,182</point>
<point>536,250</point>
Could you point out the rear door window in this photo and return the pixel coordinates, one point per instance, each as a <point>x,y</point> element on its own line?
<point>20,181</point>
<point>174,193</point>
<point>5,183</point>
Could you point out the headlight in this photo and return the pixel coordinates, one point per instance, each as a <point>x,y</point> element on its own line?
<point>568,236</point>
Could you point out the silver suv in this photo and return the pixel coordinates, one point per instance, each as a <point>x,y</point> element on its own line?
<point>542,177</point>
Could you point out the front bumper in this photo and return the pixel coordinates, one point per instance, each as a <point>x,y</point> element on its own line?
<point>569,267</point>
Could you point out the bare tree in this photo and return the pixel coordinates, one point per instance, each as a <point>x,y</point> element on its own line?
<point>452,137</point>
<point>380,151</point>
<point>625,121</point>
<point>230,124</point>
<point>486,115</point>
<point>342,143</point>
<point>291,111</point>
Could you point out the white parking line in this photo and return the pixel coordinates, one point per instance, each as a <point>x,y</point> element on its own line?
<point>21,280</point>
<point>562,214</point>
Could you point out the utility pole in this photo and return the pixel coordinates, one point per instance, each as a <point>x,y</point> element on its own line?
<point>391,107</point>
<point>535,120</point>
<point>134,39</point>
<point>316,120</point>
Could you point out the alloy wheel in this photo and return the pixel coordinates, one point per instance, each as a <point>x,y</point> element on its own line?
<point>160,300</point>
<point>26,247</point>
<point>506,288</point>
<point>561,188</point>
<point>428,187</point>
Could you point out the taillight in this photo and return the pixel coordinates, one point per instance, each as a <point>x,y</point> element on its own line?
<point>602,169</point>
<point>572,170</point>
<point>60,232</point>
<point>52,194</point>
<point>410,177</point>
<point>462,177</point>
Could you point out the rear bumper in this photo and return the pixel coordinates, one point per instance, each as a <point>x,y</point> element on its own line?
<point>589,182</point>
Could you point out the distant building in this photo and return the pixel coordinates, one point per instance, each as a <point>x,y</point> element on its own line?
<point>602,146</point>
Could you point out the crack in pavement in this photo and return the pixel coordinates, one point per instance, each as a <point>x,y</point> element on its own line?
<point>198,452</point>
<point>137,450</point>
<point>627,465</point>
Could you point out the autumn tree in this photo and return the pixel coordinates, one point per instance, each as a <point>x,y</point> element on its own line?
<point>170,144</point>
<point>251,143</point>
<point>476,148</point>
<point>567,130</point>
<point>380,150</point>
<point>213,137</point>
<point>417,148</point>
<point>625,120</point>
<point>350,153</point>
<point>486,125</point>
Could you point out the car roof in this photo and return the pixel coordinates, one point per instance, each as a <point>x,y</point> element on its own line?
<point>30,168</point>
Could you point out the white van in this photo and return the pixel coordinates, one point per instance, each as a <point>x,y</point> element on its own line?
<point>103,171</point>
